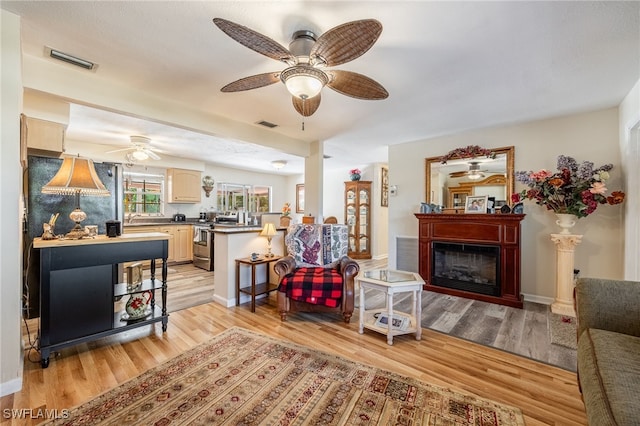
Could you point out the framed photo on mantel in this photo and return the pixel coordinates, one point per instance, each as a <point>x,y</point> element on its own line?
<point>476,204</point>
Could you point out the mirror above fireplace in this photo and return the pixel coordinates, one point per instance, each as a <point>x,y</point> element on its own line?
<point>449,184</point>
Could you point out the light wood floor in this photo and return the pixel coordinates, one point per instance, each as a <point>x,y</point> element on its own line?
<point>547,395</point>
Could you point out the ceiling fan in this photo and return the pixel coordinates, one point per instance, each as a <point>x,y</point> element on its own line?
<point>307,58</point>
<point>472,173</point>
<point>140,151</point>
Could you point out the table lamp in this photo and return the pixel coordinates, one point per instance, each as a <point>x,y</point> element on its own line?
<point>268,231</point>
<point>76,176</point>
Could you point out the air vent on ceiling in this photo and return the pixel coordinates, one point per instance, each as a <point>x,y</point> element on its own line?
<point>267,124</point>
<point>70,59</point>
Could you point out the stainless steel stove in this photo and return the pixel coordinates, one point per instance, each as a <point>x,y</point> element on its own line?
<point>203,245</point>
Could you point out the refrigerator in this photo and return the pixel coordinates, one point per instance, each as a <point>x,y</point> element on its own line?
<point>40,207</point>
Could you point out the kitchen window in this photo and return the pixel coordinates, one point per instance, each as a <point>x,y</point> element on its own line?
<point>143,193</point>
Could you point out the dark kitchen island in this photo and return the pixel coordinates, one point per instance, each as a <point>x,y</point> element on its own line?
<point>79,285</point>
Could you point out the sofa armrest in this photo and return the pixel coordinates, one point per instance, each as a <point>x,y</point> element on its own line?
<point>284,266</point>
<point>612,305</point>
<point>349,268</point>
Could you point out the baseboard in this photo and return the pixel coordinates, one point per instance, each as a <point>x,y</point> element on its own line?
<point>537,299</point>
<point>227,303</point>
<point>12,386</point>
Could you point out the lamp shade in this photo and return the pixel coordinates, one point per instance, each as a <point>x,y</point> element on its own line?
<point>268,230</point>
<point>303,81</point>
<point>76,176</point>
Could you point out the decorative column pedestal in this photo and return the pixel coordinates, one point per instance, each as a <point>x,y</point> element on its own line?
<point>565,248</point>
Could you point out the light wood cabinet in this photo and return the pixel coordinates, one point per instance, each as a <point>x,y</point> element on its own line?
<point>42,134</point>
<point>183,186</point>
<point>357,216</point>
<point>180,240</point>
<point>183,243</point>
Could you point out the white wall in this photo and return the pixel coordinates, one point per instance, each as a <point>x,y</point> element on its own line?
<point>630,148</point>
<point>11,359</point>
<point>591,136</point>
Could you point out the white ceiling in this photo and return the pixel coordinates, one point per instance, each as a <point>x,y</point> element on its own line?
<point>448,67</point>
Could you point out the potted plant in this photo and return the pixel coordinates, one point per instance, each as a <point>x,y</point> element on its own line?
<point>285,219</point>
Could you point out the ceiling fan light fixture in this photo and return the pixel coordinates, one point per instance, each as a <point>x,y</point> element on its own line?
<point>474,175</point>
<point>278,164</point>
<point>140,155</point>
<point>304,82</point>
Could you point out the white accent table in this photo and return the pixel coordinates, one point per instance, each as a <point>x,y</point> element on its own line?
<point>391,282</point>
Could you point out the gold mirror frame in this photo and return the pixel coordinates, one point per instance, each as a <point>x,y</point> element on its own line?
<point>510,185</point>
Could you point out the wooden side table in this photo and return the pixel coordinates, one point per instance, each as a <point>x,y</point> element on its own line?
<point>383,320</point>
<point>255,289</point>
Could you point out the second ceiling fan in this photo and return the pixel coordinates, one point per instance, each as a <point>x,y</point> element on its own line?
<point>307,58</point>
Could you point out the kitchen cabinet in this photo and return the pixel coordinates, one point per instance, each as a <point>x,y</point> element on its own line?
<point>357,216</point>
<point>80,296</point>
<point>42,134</point>
<point>183,243</point>
<point>183,186</point>
<point>180,240</point>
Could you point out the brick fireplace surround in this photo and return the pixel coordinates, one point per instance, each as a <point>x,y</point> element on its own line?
<point>501,230</point>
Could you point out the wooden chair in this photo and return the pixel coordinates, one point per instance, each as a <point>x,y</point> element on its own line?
<point>316,275</point>
<point>331,220</point>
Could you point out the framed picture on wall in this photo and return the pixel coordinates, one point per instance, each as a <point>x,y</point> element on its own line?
<point>300,198</point>
<point>384,201</point>
<point>476,204</point>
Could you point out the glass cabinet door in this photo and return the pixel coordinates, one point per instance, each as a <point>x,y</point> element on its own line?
<point>357,218</point>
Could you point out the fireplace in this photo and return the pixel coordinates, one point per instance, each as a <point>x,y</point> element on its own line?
<point>476,256</point>
<point>468,267</point>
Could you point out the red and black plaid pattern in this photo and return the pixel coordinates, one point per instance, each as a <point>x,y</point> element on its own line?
<point>319,286</point>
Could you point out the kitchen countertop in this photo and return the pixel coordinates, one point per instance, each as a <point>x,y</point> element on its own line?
<point>240,228</point>
<point>127,225</point>
<point>100,239</point>
<point>218,228</point>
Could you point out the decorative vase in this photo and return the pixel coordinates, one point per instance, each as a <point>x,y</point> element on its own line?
<point>285,221</point>
<point>137,305</point>
<point>566,222</point>
<point>355,176</point>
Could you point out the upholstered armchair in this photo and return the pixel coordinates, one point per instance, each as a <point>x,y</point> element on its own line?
<point>316,275</point>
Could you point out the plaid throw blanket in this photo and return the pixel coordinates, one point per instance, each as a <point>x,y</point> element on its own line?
<point>319,286</point>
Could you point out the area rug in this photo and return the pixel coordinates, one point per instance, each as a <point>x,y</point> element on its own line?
<point>562,330</point>
<point>244,378</point>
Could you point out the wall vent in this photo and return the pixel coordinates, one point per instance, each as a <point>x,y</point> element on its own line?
<point>407,254</point>
<point>70,59</point>
<point>267,124</point>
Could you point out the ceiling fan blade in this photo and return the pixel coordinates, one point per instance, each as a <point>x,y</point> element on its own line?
<point>151,154</point>
<point>346,42</point>
<point>254,40</point>
<point>119,150</point>
<point>458,174</point>
<point>252,82</point>
<point>356,85</point>
<point>306,107</point>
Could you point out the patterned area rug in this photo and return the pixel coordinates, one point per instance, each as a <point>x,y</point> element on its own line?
<point>562,330</point>
<point>244,378</point>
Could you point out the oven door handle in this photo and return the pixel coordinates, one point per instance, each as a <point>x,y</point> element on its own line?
<point>200,258</point>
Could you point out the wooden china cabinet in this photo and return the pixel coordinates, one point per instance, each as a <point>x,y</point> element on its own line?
<point>357,216</point>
